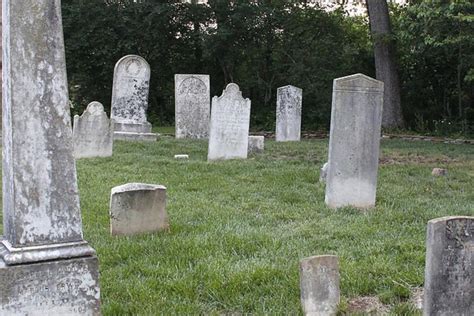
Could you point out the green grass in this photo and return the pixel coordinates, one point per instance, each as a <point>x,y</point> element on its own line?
<point>239,228</point>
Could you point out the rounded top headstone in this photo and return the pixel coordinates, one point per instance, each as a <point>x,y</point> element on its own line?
<point>95,108</point>
<point>134,66</point>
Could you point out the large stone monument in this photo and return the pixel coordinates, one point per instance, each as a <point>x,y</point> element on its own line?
<point>130,99</point>
<point>449,269</point>
<point>230,121</point>
<point>192,106</point>
<point>288,114</point>
<point>92,133</point>
<point>319,285</point>
<point>354,142</point>
<point>46,267</point>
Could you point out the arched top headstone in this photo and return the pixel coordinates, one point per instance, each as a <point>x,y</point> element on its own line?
<point>95,109</point>
<point>133,66</point>
<point>358,82</point>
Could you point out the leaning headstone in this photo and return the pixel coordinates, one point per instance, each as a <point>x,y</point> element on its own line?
<point>230,121</point>
<point>46,267</point>
<point>288,114</point>
<point>93,133</point>
<point>137,208</point>
<point>130,99</point>
<point>354,142</point>
<point>256,144</point>
<point>449,269</point>
<point>192,106</point>
<point>319,283</point>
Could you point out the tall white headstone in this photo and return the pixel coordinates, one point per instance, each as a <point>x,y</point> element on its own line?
<point>130,98</point>
<point>230,121</point>
<point>193,106</point>
<point>354,142</point>
<point>288,114</point>
<point>46,267</point>
<point>92,133</point>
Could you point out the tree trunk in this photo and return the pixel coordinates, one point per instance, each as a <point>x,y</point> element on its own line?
<point>385,62</point>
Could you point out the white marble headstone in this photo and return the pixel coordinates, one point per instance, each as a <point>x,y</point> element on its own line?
<point>288,114</point>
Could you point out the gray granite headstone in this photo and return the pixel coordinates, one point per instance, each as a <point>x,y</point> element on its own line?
<point>46,267</point>
<point>230,121</point>
<point>137,208</point>
<point>319,283</point>
<point>92,133</point>
<point>193,106</point>
<point>256,144</point>
<point>449,269</point>
<point>130,98</point>
<point>354,142</point>
<point>288,114</point>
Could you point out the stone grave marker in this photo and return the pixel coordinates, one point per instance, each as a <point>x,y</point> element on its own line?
<point>256,144</point>
<point>93,133</point>
<point>319,283</point>
<point>130,99</point>
<point>192,106</point>
<point>46,266</point>
<point>354,142</point>
<point>288,114</point>
<point>230,121</point>
<point>137,208</point>
<point>449,269</point>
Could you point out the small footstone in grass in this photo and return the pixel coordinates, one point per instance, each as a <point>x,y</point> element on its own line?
<point>256,144</point>
<point>439,172</point>
<point>324,173</point>
<point>181,157</point>
<point>319,283</point>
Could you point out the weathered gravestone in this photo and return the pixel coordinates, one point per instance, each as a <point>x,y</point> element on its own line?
<point>46,267</point>
<point>449,270</point>
<point>192,106</point>
<point>288,114</point>
<point>319,283</point>
<point>137,208</point>
<point>256,144</point>
<point>354,142</point>
<point>92,133</point>
<point>230,121</point>
<point>130,99</point>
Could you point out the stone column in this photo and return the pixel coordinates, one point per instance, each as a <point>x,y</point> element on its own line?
<point>45,264</point>
<point>354,142</point>
<point>449,270</point>
<point>288,114</point>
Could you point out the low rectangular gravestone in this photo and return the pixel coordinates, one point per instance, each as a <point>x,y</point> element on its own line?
<point>230,121</point>
<point>449,269</point>
<point>288,114</point>
<point>93,133</point>
<point>354,142</point>
<point>46,267</point>
<point>192,106</point>
<point>256,144</point>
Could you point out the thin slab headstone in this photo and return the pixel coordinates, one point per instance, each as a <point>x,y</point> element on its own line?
<point>256,144</point>
<point>449,269</point>
<point>230,121</point>
<point>319,283</point>
<point>354,142</point>
<point>288,114</point>
<point>192,106</point>
<point>130,98</point>
<point>92,133</point>
<point>46,267</point>
<point>137,208</point>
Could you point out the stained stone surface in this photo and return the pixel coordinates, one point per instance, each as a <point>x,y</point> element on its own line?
<point>319,283</point>
<point>46,268</point>
<point>449,269</point>
<point>137,208</point>
<point>92,132</point>
<point>192,106</point>
<point>288,114</point>
<point>256,144</point>
<point>60,287</point>
<point>230,121</point>
<point>354,142</point>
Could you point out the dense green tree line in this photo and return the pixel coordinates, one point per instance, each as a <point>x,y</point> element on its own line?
<point>261,45</point>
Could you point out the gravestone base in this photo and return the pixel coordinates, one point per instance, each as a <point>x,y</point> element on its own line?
<point>59,287</point>
<point>141,137</point>
<point>132,127</point>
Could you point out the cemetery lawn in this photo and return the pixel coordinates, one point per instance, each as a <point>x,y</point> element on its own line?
<point>239,228</point>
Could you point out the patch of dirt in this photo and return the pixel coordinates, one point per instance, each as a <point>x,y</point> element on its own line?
<point>367,305</point>
<point>394,159</point>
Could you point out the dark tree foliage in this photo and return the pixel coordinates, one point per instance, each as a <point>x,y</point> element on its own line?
<point>260,45</point>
